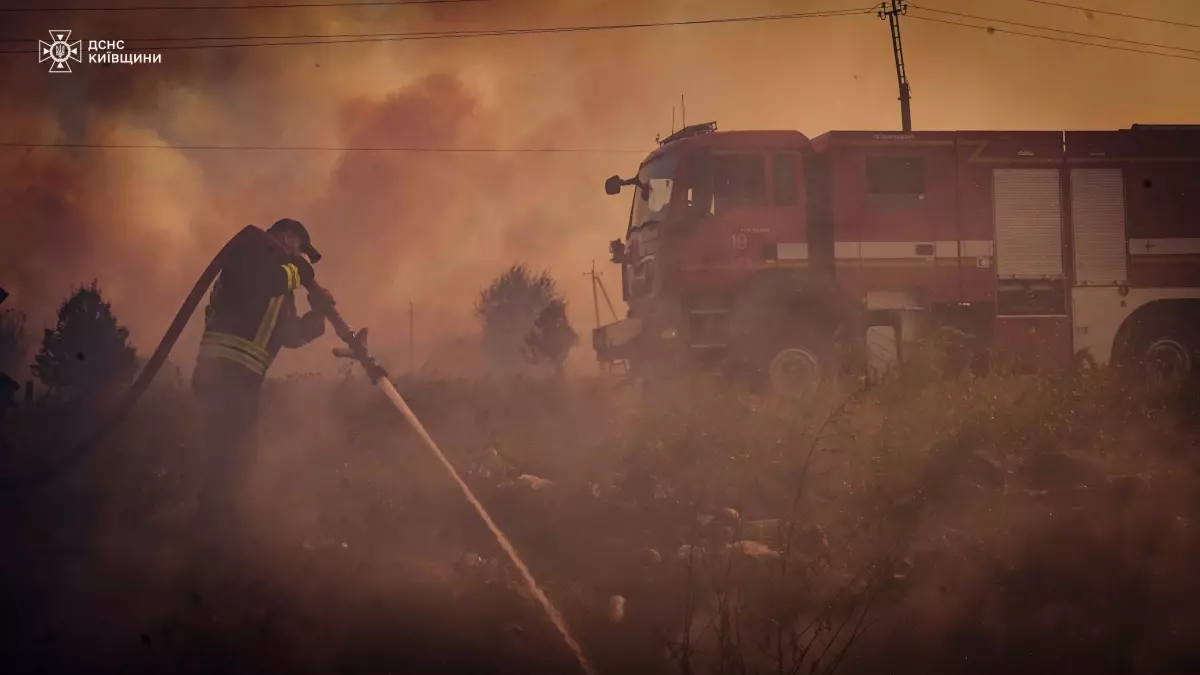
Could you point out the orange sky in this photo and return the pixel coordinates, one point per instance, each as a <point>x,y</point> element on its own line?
<point>433,228</point>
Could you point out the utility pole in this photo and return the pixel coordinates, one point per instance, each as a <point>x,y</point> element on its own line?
<point>595,297</point>
<point>598,284</point>
<point>892,10</point>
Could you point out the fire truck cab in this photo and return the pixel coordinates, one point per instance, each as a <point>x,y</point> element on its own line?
<point>769,253</point>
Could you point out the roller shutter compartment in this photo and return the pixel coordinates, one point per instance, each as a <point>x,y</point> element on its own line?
<point>1098,223</point>
<point>1027,207</point>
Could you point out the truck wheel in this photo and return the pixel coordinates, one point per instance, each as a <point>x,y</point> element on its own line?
<point>795,371</point>
<point>792,362</point>
<point>1166,356</point>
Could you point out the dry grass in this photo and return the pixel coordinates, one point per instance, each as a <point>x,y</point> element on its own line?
<point>984,525</point>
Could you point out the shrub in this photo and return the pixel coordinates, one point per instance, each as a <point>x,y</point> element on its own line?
<point>551,338</point>
<point>88,350</point>
<point>523,319</point>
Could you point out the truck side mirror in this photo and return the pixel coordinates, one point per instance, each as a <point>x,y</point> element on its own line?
<point>612,186</point>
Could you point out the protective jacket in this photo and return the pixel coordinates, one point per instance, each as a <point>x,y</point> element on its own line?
<point>252,311</point>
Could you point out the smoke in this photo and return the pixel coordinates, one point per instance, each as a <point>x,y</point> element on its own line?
<point>429,228</point>
<point>432,228</point>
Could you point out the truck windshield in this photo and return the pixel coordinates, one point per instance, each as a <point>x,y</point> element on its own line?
<point>651,205</point>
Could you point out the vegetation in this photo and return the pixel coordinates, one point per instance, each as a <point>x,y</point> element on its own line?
<point>88,350</point>
<point>524,321</point>
<point>551,337</point>
<point>951,523</point>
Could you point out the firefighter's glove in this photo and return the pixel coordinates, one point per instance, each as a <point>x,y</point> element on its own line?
<point>319,296</point>
<point>312,325</point>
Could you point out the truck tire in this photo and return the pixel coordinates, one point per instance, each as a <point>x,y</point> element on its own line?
<point>796,369</point>
<point>1165,354</point>
<point>791,362</point>
<point>776,344</point>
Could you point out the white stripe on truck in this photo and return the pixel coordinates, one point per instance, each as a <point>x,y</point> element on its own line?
<point>893,250</point>
<point>791,251</point>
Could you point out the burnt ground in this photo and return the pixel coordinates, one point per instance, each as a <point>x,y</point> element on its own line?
<point>942,526</point>
<point>395,599</point>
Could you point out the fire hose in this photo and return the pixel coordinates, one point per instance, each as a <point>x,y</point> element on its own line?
<point>356,349</point>
<point>356,344</point>
<point>130,398</point>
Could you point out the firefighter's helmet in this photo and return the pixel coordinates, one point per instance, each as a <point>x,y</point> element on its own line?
<point>297,228</point>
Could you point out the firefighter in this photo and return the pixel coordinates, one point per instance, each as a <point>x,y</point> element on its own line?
<point>250,316</point>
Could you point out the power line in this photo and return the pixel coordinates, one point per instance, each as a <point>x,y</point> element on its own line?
<point>1055,30</point>
<point>322,148</point>
<point>405,35</point>
<point>169,8</point>
<point>425,35</point>
<point>339,38</point>
<point>397,37</point>
<point>991,29</point>
<point>1123,16</point>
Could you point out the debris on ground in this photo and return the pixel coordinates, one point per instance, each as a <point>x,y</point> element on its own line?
<point>754,549</point>
<point>473,571</point>
<point>533,482</point>
<point>616,608</point>
<point>492,467</point>
<point>767,531</point>
<point>688,552</point>
<point>812,541</point>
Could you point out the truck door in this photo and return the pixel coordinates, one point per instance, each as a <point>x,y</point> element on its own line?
<point>898,226</point>
<point>1098,226</point>
<point>1028,217</point>
<point>896,241</point>
<point>739,198</point>
<point>1031,291</point>
<point>729,215</point>
<point>1101,254</point>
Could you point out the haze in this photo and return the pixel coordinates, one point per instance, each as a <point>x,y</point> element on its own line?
<point>432,228</point>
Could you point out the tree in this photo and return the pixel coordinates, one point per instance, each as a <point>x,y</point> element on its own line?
<point>87,350</point>
<point>551,338</point>
<point>510,308</point>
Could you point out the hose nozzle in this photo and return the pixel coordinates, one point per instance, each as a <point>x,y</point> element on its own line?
<point>359,336</point>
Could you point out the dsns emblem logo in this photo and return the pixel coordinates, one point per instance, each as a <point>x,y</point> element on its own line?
<point>58,51</point>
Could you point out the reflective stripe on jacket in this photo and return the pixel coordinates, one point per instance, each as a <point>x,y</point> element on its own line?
<point>252,310</point>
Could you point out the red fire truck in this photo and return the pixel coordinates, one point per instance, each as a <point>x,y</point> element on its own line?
<point>767,252</point>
